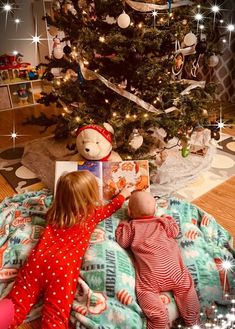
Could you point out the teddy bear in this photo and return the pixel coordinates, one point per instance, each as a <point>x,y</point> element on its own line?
<point>94,142</point>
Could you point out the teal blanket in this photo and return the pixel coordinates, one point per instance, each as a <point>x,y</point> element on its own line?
<point>105,297</point>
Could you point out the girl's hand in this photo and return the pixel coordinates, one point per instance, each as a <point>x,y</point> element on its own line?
<point>126,192</point>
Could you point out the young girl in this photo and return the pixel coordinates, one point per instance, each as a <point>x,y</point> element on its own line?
<point>53,266</point>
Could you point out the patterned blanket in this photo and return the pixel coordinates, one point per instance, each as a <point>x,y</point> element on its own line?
<point>105,297</point>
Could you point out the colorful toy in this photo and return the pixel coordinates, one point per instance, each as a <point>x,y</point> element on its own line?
<point>23,94</point>
<point>8,62</point>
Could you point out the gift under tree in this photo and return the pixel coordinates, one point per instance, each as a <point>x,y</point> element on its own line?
<point>134,65</point>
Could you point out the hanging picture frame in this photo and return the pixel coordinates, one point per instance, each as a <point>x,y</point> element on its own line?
<point>178,63</point>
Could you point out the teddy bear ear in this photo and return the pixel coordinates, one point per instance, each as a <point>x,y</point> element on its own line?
<point>108,127</point>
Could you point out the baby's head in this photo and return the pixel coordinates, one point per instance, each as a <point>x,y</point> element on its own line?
<point>141,204</point>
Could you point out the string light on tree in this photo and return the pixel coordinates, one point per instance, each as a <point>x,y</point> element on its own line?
<point>102,39</point>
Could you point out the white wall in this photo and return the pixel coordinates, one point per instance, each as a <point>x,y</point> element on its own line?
<point>25,30</point>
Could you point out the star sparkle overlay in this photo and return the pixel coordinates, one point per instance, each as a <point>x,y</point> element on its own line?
<point>36,39</point>
<point>13,134</point>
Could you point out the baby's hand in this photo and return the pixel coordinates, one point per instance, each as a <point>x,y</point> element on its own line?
<point>126,192</point>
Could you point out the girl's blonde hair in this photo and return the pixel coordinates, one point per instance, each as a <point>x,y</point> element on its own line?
<point>77,195</point>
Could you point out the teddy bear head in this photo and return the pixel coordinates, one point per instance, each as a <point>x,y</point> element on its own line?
<point>94,142</point>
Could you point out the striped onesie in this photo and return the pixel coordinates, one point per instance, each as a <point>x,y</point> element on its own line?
<point>159,268</point>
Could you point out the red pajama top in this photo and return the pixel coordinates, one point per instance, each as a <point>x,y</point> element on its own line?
<point>52,270</point>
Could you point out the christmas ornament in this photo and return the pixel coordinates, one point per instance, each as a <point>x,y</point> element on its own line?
<point>136,140</point>
<point>69,7</point>
<point>110,20</point>
<point>80,76</point>
<point>48,76</point>
<point>56,5</point>
<point>169,5</point>
<point>185,151</point>
<point>200,48</point>
<point>178,63</point>
<point>123,20</point>
<point>190,39</point>
<point>57,51</point>
<point>70,74</point>
<point>213,61</point>
<point>67,50</point>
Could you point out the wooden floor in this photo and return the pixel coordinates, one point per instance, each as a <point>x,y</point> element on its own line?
<point>220,202</point>
<point>14,121</point>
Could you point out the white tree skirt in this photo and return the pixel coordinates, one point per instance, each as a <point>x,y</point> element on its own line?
<point>177,171</point>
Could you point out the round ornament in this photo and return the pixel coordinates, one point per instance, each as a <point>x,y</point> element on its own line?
<point>201,47</point>
<point>185,151</point>
<point>49,76</point>
<point>190,39</point>
<point>67,50</point>
<point>123,20</point>
<point>213,61</point>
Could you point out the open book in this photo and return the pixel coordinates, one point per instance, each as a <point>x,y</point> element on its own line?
<point>112,177</point>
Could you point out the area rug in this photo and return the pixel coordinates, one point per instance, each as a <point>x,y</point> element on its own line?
<point>15,174</point>
<point>21,179</point>
<point>222,168</point>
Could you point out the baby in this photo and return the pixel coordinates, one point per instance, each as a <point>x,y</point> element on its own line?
<point>158,262</point>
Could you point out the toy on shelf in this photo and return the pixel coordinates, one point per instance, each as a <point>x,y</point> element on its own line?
<point>10,62</point>
<point>23,94</point>
<point>12,68</point>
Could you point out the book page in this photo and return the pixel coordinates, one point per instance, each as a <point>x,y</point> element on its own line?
<point>95,167</point>
<point>120,174</point>
<point>63,167</point>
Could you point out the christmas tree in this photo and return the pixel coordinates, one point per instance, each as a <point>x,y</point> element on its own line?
<point>134,65</point>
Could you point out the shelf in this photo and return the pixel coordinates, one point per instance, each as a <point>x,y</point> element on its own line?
<point>20,94</point>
